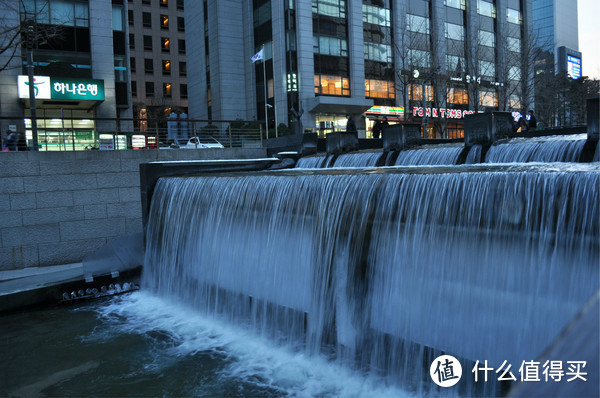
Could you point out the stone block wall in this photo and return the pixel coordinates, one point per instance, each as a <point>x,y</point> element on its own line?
<point>59,207</point>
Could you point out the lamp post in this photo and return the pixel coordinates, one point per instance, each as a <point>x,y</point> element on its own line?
<point>32,108</point>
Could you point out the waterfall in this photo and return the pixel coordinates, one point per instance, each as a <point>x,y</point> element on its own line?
<point>474,155</point>
<point>543,149</point>
<point>440,155</point>
<point>365,159</point>
<point>310,162</point>
<point>377,268</point>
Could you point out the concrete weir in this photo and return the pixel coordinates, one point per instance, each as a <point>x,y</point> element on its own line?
<point>381,268</point>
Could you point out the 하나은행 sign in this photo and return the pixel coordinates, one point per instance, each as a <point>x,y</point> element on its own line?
<point>61,88</point>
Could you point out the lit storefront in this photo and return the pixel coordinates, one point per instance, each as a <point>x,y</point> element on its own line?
<point>393,114</point>
<point>65,111</point>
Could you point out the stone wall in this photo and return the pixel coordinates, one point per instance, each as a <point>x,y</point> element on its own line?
<point>58,207</point>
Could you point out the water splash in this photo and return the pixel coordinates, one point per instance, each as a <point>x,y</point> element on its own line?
<point>543,149</point>
<point>377,269</point>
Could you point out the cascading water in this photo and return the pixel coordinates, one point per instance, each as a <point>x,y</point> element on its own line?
<point>542,149</point>
<point>375,267</point>
<point>310,162</point>
<point>474,155</point>
<point>440,155</point>
<point>365,159</point>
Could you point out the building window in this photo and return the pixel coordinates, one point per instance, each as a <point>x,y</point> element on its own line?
<point>513,16</point>
<point>458,96</point>
<point>147,20</point>
<point>454,32</point>
<point>488,98</point>
<point>182,69</point>
<point>379,89</point>
<point>485,38</point>
<point>181,45</point>
<point>513,44</point>
<point>417,24</point>
<point>130,17</point>
<point>132,64</point>
<point>514,73</point>
<point>132,41</point>
<point>165,44</point>
<point>460,4</point>
<point>164,3</point>
<point>166,67</point>
<point>378,52</point>
<point>332,85</point>
<point>330,8</point>
<point>145,1</point>
<point>164,21</point>
<point>148,65</point>
<point>180,24</point>
<point>376,15</point>
<point>455,63</point>
<point>486,9</point>
<point>419,58</point>
<point>415,92</point>
<point>487,69</point>
<point>117,18</point>
<point>167,90</point>
<point>180,4</point>
<point>149,89</point>
<point>60,13</point>
<point>133,88</point>
<point>148,42</point>
<point>183,91</point>
<point>330,46</point>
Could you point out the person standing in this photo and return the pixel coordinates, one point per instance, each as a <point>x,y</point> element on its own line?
<point>11,141</point>
<point>531,121</point>
<point>377,128</point>
<point>350,125</point>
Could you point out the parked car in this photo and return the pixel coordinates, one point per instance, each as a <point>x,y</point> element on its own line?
<point>196,143</point>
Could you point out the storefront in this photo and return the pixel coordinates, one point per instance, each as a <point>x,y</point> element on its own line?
<point>65,112</point>
<point>392,114</point>
<point>442,122</point>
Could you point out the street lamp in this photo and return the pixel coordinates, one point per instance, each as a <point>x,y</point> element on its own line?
<point>30,39</point>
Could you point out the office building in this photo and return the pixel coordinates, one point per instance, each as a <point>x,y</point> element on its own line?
<point>157,58</point>
<point>424,61</point>
<point>80,73</point>
<point>556,34</point>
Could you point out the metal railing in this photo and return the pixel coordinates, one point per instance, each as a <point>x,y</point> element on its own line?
<point>62,134</point>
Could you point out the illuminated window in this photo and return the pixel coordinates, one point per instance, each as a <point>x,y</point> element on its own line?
<point>458,96</point>
<point>164,3</point>
<point>167,90</point>
<point>166,67</point>
<point>332,85</point>
<point>514,102</point>
<point>165,44</point>
<point>164,21</point>
<point>488,98</point>
<point>379,89</point>
<point>415,92</point>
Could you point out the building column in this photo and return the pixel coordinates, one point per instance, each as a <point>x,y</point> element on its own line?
<point>306,60</point>
<point>279,64</point>
<point>103,65</point>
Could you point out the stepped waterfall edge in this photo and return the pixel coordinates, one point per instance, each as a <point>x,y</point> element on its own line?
<point>486,265</point>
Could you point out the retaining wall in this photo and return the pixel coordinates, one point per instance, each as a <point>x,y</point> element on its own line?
<point>59,207</point>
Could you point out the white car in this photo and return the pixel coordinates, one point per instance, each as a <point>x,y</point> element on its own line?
<point>198,143</point>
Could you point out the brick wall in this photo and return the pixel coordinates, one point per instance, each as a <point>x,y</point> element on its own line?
<point>58,207</point>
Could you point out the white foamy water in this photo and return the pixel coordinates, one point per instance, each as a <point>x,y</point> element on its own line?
<point>248,357</point>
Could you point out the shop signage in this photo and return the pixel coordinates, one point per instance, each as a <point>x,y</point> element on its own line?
<point>573,67</point>
<point>441,112</point>
<point>138,141</point>
<point>62,88</point>
<point>385,110</point>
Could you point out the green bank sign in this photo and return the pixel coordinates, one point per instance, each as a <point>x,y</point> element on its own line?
<point>60,88</point>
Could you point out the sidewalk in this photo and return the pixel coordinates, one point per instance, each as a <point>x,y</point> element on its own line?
<point>20,280</point>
